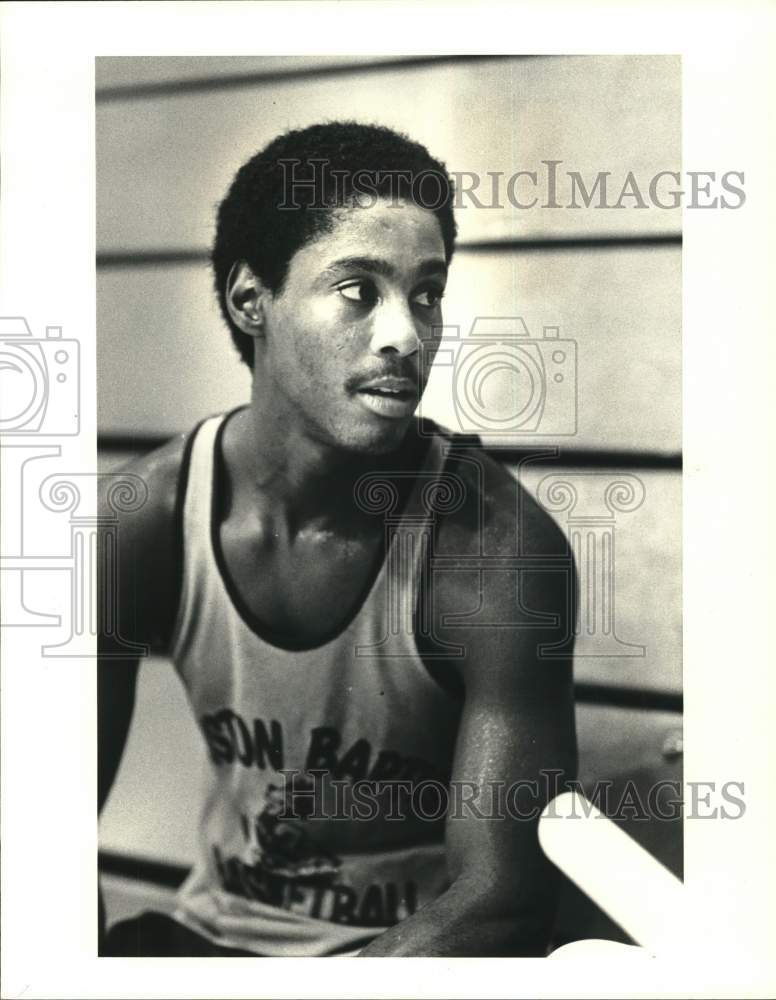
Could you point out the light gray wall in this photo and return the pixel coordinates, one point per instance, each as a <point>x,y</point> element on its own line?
<point>164,161</point>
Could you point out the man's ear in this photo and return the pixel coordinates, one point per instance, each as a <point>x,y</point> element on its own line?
<point>245,297</point>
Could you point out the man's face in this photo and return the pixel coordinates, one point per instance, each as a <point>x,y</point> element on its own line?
<point>341,352</point>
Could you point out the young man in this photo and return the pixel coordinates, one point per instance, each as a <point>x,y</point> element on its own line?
<point>307,562</point>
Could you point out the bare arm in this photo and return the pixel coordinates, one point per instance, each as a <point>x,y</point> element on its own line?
<point>116,681</point>
<point>140,587</point>
<point>517,726</point>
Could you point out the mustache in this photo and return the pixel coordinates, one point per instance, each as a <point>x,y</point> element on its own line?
<point>400,369</point>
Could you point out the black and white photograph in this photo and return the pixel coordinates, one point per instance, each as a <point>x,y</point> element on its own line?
<point>403,415</point>
<point>382,568</point>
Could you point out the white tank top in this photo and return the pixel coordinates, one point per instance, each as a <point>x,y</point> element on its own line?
<point>298,855</point>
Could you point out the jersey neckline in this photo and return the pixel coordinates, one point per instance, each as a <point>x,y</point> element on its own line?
<point>272,637</point>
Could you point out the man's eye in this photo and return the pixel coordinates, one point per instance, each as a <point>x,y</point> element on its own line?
<point>429,298</point>
<point>363,292</point>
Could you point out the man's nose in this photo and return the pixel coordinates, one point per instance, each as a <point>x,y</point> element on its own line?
<point>393,329</point>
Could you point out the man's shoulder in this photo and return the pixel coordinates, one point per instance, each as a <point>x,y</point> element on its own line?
<point>142,499</point>
<point>493,512</point>
<point>154,478</point>
<point>496,548</point>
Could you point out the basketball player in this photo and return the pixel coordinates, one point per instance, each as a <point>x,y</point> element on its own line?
<point>303,561</point>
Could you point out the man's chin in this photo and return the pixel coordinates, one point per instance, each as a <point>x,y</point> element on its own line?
<point>377,438</point>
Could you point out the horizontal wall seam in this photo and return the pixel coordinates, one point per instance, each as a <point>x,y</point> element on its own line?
<point>107,259</point>
<point>232,81</point>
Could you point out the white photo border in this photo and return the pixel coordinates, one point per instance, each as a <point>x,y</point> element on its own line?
<point>47,246</point>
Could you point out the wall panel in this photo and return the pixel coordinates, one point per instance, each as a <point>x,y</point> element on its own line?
<point>163,163</point>
<point>642,583</point>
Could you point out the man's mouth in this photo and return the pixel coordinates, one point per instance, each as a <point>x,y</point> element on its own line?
<point>389,397</point>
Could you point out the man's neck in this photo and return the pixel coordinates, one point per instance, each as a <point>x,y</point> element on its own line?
<point>306,482</point>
